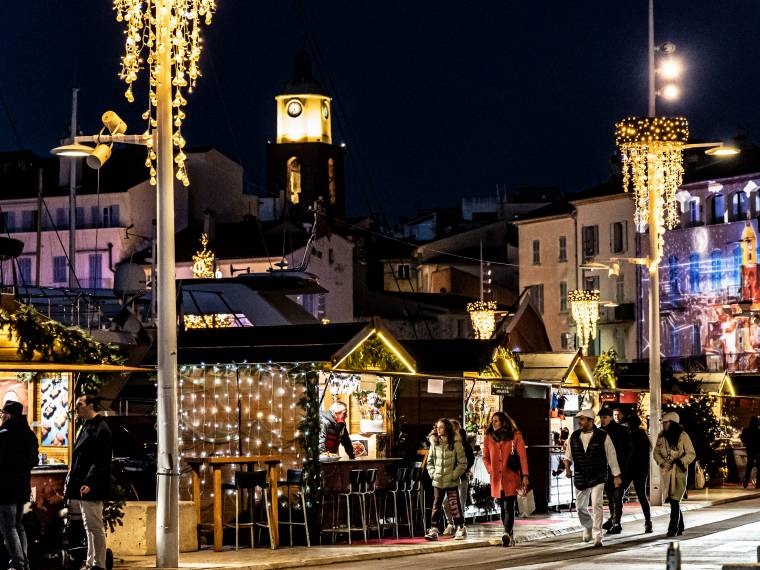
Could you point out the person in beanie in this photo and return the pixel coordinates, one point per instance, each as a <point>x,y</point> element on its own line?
<point>621,439</point>
<point>751,439</point>
<point>464,480</point>
<point>638,468</point>
<point>673,453</point>
<point>18,454</point>
<point>446,463</point>
<point>501,441</point>
<point>333,432</point>
<point>89,481</point>
<point>592,451</point>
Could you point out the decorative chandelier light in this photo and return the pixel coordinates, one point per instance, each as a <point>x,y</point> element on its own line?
<point>482,315</point>
<point>141,48</point>
<point>651,149</point>
<point>203,261</point>
<point>585,310</point>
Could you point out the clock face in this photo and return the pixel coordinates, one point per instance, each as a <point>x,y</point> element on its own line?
<point>325,110</point>
<point>294,108</point>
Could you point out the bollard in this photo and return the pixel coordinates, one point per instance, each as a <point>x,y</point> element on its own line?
<point>673,560</point>
<point>758,554</point>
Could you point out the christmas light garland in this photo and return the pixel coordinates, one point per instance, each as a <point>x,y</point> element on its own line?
<point>584,306</point>
<point>483,318</point>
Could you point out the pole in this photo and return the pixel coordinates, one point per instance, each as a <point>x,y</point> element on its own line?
<point>73,197</point>
<point>652,89</point>
<point>655,382</point>
<point>167,505</point>
<point>38,249</point>
<point>481,269</point>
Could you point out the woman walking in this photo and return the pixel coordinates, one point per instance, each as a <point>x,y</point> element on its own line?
<point>638,469</point>
<point>673,453</point>
<point>446,464</point>
<point>505,458</point>
<point>464,480</point>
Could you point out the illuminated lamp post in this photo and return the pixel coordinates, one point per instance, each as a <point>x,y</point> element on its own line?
<point>584,306</point>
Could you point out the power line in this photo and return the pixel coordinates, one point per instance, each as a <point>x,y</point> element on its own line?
<point>16,134</point>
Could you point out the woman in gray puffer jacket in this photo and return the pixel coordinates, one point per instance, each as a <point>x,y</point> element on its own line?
<point>446,464</point>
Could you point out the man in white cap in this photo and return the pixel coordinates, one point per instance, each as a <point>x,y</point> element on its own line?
<point>592,451</point>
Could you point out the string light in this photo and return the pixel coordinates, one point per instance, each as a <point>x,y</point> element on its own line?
<point>584,306</point>
<point>483,318</point>
<point>142,46</point>
<point>652,153</point>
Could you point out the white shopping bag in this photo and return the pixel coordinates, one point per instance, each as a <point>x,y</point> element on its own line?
<point>526,503</point>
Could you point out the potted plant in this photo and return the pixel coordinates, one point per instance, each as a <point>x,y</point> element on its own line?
<point>371,406</point>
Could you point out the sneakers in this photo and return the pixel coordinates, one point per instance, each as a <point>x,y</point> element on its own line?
<point>461,533</point>
<point>608,525</point>
<point>432,534</point>
<point>598,542</point>
<point>586,535</point>
<point>616,529</point>
<point>449,530</point>
<point>648,527</point>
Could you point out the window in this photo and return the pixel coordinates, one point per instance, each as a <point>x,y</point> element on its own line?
<point>61,218</point>
<point>80,217</point>
<point>757,203</point>
<point>591,283</point>
<point>29,220</point>
<point>402,271</point>
<point>563,296</point>
<point>715,272</point>
<point>619,341</point>
<point>563,248</point>
<point>330,256</point>
<point>736,273</point>
<point>718,209</point>
<point>739,206</point>
<point>675,341</point>
<point>96,270</point>
<point>9,221</point>
<point>537,294</point>
<point>331,192</point>
<point>25,270</point>
<point>567,341</point>
<point>694,273</point>
<point>536,252</point>
<point>696,339</point>
<point>590,241</point>
<point>111,216</point>
<point>618,237</point>
<point>95,216</point>
<point>673,274</point>
<point>694,211</point>
<point>59,269</point>
<point>293,179</point>
<point>620,290</point>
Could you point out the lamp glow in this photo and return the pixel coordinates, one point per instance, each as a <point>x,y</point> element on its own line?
<point>722,150</point>
<point>483,318</point>
<point>584,306</point>
<point>670,68</point>
<point>671,91</point>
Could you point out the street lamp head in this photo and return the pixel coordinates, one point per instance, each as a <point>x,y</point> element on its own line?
<point>671,91</point>
<point>99,156</point>
<point>72,150</point>
<point>670,68</point>
<point>113,123</point>
<point>722,150</point>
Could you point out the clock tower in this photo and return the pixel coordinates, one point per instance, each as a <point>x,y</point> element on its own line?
<point>303,164</point>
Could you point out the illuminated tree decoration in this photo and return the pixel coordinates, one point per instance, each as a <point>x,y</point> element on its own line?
<point>203,268</point>
<point>142,46</point>
<point>651,149</point>
<point>585,310</point>
<point>203,261</point>
<point>482,315</point>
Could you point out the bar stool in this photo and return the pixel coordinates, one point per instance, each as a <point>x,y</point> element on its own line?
<point>398,491</point>
<point>354,490</point>
<point>415,493</point>
<point>369,498</point>
<point>249,481</point>
<point>294,479</point>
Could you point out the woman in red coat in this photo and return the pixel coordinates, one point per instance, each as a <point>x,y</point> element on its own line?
<point>501,437</point>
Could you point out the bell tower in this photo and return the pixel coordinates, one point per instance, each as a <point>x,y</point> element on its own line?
<point>303,163</point>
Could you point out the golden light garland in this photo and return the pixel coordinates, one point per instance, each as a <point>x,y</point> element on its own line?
<point>584,306</point>
<point>483,317</point>
<point>203,261</point>
<point>651,149</point>
<point>215,321</point>
<point>142,47</point>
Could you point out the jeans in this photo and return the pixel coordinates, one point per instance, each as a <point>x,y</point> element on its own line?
<point>14,535</point>
<point>640,484</point>
<point>615,501</point>
<point>464,486</point>
<point>456,509</point>
<point>92,517</point>
<point>752,460</point>
<point>595,495</point>
<point>508,506</point>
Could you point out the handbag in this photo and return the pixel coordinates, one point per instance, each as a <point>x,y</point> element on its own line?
<point>699,476</point>
<point>513,462</point>
<point>526,503</point>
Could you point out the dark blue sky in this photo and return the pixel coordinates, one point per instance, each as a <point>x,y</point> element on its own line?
<point>444,98</point>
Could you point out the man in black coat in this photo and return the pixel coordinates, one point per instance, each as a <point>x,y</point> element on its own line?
<point>621,440</point>
<point>89,481</point>
<point>18,454</point>
<point>333,431</point>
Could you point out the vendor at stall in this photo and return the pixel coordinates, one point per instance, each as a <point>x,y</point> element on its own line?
<point>333,431</point>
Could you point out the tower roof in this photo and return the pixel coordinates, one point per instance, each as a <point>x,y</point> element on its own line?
<point>302,82</point>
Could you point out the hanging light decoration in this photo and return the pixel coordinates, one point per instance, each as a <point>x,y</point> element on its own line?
<point>203,261</point>
<point>483,318</point>
<point>584,306</point>
<point>141,48</point>
<point>651,149</point>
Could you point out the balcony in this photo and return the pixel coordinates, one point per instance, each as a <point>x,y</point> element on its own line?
<point>624,313</point>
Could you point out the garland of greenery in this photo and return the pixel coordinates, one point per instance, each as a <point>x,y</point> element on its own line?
<point>307,375</point>
<point>372,354</point>
<point>605,370</point>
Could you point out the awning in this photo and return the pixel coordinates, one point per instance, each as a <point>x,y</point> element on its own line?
<point>563,368</point>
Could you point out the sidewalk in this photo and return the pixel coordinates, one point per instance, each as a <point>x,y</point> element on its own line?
<point>479,535</point>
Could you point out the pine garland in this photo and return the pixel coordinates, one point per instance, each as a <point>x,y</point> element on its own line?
<point>605,370</point>
<point>374,355</point>
<point>307,375</point>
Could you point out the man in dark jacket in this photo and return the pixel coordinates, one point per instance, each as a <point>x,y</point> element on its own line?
<point>333,432</point>
<point>18,454</point>
<point>621,439</point>
<point>751,440</point>
<point>89,481</point>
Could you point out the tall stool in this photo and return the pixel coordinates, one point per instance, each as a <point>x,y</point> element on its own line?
<point>396,492</point>
<point>249,481</point>
<point>369,498</point>
<point>354,491</point>
<point>294,479</point>
<point>415,494</point>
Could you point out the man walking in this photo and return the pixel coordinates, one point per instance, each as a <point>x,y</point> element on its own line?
<point>621,439</point>
<point>89,481</point>
<point>18,454</point>
<point>751,440</point>
<point>592,451</point>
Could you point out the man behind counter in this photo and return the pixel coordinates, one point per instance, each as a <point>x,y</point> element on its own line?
<point>333,432</point>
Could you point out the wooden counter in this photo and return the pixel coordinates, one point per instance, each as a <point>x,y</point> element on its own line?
<point>335,474</point>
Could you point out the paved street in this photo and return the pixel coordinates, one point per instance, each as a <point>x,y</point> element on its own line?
<point>714,536</point>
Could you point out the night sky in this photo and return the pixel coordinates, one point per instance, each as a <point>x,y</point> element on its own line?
<point>444,98</point>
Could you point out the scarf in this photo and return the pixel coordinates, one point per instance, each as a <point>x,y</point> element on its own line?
<point>500,434</point>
